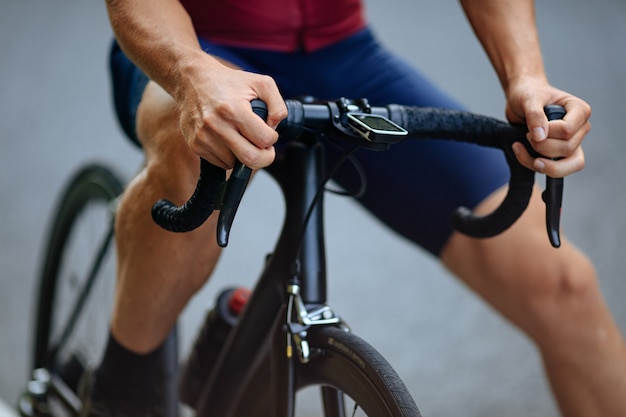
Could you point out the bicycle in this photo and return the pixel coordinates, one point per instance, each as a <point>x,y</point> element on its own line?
<point>285,336</point>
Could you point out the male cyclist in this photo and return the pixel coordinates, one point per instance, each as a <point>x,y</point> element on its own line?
<point>183,84</point>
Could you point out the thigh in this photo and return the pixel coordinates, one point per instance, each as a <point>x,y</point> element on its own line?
<point>415,186</point>
<point>129,84</point>
<point>537,287</point>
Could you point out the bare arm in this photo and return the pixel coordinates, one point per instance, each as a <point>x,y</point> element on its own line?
<point>508,33</point>
<point>158,36</point>
<point>213,99</point>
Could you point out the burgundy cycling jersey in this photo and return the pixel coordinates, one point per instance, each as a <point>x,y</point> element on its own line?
<point>278,25</point>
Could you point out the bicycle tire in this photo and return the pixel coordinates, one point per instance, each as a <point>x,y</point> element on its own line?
<point>344,367</point>
<point>77,276</point>
<point>347,363</point>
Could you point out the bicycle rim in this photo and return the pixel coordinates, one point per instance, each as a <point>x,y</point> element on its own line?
<point>78,277</point>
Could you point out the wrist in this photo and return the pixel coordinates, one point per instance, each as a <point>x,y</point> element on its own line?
<point>523,81</point>
<point>189,69</point>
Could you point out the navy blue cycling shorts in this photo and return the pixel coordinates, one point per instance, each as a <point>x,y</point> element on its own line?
<point>416,185</point>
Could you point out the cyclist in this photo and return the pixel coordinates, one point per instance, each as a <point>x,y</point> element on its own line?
<point>205,61</point>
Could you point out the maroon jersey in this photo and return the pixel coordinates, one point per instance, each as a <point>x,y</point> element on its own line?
<point>278,25</point>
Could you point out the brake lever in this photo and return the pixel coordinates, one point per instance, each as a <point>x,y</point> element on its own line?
<point>235,187</point>
<point>553,194</point>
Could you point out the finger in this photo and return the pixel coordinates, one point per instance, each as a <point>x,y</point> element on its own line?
<point>568,129</point>
<point>214,151</point>
<point>269,93</point>
<point>576,119</point>
<point>522,155</point>
<point>252,156</point>
<point>562,142</point>
<point>562,167</point>
<point>553,168</point>
<point>255,130</point>
<point>238,134</point>
<point>232,148</point>
<point>251,140</point>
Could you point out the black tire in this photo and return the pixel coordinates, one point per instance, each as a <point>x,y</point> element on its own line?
<point>351,376</point>
<point>78,276</point>
<point>343,363</point>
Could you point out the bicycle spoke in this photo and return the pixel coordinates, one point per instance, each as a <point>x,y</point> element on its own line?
<point>83,295</point>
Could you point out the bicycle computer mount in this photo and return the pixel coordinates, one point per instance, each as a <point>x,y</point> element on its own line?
<point>355,120</point>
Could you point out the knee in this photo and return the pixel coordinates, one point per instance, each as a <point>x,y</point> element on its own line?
<point>185,260</point>
<point>171,171</point>
<point>536,287</point>
<point>553,292</point>
<point>544,291</point>
<point>557,279</point>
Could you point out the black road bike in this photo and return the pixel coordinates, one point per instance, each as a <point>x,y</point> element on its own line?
<point>284,337</point>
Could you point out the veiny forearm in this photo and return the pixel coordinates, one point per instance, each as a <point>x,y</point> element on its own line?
<point>507,30</point>
<point>158,36</point>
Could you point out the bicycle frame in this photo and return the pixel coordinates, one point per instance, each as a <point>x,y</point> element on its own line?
<point>290,295</point>
<point>299,173</point>
<point>261,328</point>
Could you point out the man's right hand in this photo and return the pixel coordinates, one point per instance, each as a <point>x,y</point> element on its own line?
<point>216,118</point>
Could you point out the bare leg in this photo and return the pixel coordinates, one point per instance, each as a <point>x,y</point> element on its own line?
<point>158,271</point>
<point>553,296</point>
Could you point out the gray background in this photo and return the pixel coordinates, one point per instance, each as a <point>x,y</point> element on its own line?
<point>457,357</point>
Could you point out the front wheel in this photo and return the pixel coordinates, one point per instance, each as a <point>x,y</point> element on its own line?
<point>345,377</point>
<point>355,379</point>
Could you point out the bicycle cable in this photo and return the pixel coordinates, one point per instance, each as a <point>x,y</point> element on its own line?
<point>357,167</point>
<point>348,155</point>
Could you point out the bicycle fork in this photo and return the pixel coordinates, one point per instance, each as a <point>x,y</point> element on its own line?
<point>299,321</point>
<point>300,318</point>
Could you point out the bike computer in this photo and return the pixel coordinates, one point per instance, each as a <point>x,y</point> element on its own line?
<point>375,127</point>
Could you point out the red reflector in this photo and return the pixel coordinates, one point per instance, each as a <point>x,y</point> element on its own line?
<point>238,300</point>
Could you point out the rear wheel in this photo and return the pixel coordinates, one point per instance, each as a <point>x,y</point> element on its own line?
<point>75,289</point>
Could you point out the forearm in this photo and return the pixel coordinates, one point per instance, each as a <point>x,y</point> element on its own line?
<point>508,33</point>
<point>159,37</point>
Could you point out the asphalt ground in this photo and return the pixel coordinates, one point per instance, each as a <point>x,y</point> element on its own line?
<point>455,354</point>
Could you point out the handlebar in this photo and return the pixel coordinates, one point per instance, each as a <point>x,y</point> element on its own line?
<point>214,193</point>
